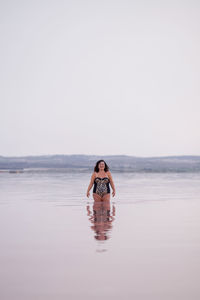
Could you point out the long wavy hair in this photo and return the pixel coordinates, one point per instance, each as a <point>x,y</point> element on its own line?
<point>96,168</point>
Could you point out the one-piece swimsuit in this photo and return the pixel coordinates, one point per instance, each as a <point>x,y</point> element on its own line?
<point>101,186</point>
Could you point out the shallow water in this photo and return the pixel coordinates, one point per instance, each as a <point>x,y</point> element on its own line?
<point>58,244</point>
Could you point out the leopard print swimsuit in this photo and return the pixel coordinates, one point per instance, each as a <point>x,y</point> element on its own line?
<point>101,186</point>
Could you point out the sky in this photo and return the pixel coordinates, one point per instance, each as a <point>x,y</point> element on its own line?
<point>100,77</point>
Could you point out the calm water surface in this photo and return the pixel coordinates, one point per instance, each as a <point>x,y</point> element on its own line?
<point>58,244</point>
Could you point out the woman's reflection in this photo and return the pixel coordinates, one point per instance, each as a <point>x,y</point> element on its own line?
<point>101,218</point>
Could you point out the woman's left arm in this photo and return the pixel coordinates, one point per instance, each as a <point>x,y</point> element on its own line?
<point>111,183</point>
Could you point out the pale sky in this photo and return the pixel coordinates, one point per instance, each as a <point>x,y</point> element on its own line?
<point>100,77</point>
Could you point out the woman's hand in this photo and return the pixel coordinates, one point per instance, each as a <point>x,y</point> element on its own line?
<point>113,193</point>
<point>88,194</point>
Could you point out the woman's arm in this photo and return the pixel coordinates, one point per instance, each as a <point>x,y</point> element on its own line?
<point>111,183</point>
<point>91,184</point>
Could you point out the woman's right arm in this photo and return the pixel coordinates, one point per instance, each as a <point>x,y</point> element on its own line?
<point>90,185</point>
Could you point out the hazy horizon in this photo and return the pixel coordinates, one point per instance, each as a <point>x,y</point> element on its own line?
<point>49,154</point>
<point>96,77</point>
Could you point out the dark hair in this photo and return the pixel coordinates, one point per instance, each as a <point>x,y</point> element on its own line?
<point>96,168</point>
<point>97,237</point>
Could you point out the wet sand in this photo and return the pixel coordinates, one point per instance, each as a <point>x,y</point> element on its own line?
<point>59,245</point>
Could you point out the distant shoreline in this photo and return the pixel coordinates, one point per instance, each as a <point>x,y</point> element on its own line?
<point>85,163</point>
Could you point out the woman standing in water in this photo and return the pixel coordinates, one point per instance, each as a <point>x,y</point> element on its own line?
<point>101,178</point>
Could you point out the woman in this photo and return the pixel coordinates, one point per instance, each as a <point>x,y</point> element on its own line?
<point>101,178</point>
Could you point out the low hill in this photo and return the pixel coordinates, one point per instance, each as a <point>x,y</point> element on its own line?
<point>85,163</point>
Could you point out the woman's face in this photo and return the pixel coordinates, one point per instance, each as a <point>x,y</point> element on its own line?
<point>101,165</point>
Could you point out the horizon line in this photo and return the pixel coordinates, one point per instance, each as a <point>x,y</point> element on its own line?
<point>80,154</point>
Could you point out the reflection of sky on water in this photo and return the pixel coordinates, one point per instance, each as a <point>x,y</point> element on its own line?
<point>47,223</point>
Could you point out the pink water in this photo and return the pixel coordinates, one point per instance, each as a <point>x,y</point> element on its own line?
<point>53,246</point>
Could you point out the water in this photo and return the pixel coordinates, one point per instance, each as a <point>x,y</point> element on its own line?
<point>144,245</point>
